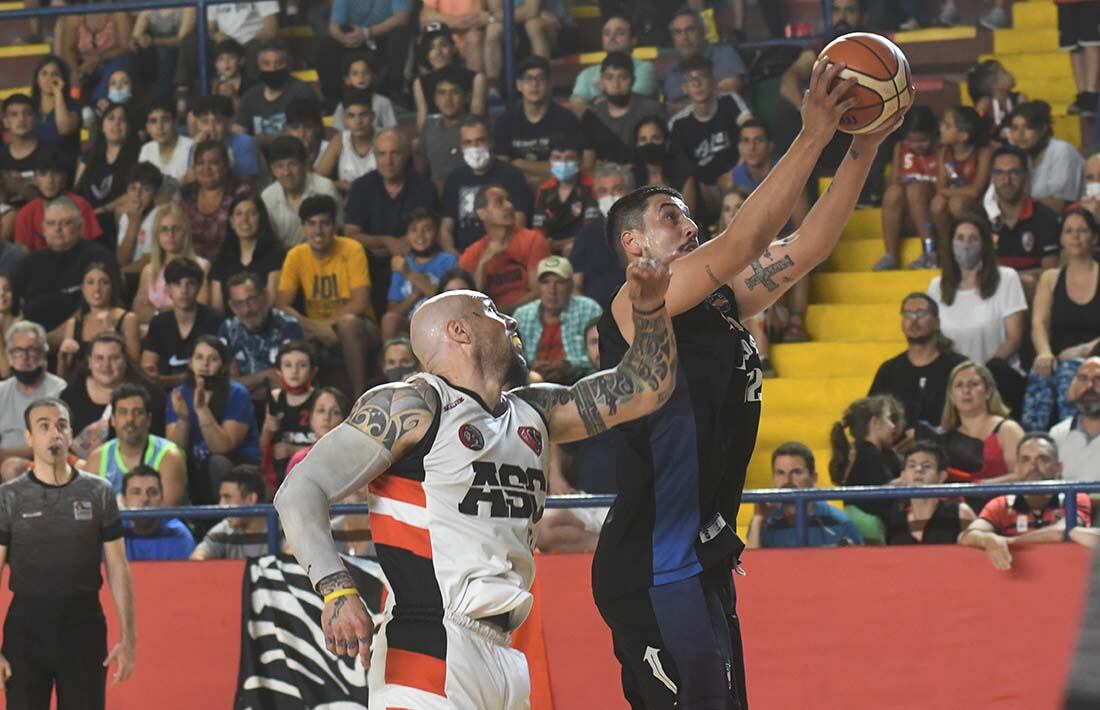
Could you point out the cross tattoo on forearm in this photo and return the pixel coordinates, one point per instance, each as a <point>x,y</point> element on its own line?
<point>762,275</point>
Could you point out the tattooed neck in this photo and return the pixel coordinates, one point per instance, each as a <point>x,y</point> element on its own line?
<point>335,581</point>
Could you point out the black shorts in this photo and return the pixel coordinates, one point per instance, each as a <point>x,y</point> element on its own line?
<point>1079,25</point>
<point>56,644</point>
<point>679,645</point>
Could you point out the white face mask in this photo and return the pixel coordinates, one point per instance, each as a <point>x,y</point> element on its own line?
<point>1092,189</point>
<point>606,202</point>
<point>477,158</point>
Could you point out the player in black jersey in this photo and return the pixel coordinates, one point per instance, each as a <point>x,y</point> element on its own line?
<point>661,574</point>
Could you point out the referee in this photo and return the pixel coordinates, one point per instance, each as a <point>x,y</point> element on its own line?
<point>55,525</point>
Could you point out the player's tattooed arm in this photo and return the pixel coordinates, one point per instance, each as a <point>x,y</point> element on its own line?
<point>640,384</point>
<point>390,414</point>
<point>385,424</point>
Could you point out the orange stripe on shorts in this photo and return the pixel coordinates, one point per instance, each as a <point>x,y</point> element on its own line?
<point>401,489</point>
<point>387,530</point>
<point>416,670</point>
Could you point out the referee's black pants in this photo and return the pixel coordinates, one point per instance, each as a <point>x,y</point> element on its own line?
<point>680,644</point>
<point>56,643</point>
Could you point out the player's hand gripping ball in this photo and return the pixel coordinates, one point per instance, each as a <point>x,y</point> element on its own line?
<point>884,82</point>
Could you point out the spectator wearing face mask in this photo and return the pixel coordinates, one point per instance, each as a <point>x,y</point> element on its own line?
<point>655,163</point>
<point>609,127</point>
<point>262,111</point>
<point>565,202</point>
<point>597,272</point>
<point>461,225</point>
<point>398,360</point>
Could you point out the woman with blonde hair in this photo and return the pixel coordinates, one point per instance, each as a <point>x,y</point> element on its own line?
<point>979,438</point>
<point>172,232</point>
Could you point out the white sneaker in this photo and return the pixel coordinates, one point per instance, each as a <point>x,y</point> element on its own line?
<point>909,25</point>
<point>886,262</point>
<point>949,16</point>
<point>995,19</point>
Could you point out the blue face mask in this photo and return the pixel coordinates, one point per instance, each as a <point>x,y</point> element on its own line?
<point>118,96</point>
<point>564,169</point>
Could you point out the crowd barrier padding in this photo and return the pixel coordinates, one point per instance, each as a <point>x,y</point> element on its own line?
<point>852,628</point>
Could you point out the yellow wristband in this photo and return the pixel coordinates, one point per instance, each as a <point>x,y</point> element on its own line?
<point>340,593</point>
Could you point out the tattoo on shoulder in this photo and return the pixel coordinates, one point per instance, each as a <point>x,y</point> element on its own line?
<point>388,413</point>
<point>336,580</point>
<point>762,275</point>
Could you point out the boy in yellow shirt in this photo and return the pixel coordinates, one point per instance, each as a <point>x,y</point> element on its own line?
<point>331,274</point>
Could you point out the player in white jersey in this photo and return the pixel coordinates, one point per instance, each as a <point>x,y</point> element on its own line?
<point>456,468</point>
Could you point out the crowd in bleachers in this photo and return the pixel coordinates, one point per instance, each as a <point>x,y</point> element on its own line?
<point>214,273</point>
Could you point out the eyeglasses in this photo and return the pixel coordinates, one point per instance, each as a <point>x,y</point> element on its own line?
<point>25,352</point>
<point>916,315</point>
<point>694,79</point>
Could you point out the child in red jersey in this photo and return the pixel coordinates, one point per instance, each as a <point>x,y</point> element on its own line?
<point>909,194</point>
<point>964,168</point>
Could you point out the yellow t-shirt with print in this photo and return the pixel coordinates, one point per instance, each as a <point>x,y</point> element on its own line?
<point>326,284</point>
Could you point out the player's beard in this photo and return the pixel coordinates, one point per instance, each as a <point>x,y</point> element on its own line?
<point>517,373</point>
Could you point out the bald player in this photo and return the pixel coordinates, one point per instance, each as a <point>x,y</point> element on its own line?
<point>456,467</point>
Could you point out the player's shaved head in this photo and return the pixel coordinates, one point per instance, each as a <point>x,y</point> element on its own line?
<point>428,329</point>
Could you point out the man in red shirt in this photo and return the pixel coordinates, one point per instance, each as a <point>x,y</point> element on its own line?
<point>1016,520</point>
<point>50,175</point>
<point>505,259</point>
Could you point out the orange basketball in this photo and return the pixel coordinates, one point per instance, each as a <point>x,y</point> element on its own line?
<point>885,82</point>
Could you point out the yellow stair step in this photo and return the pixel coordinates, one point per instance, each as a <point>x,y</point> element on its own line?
<point>1025,40</point>
<point>813,431</point>
<point>936,34</point>
<point>582,12</point>
<point>1034,15</point>
<point>882,287</point>
<point>647,53</point>
<point>834,359</point>
<point>852,323</point>
<point>811,395</point>
<point>1068,128</point>
<point>1053,88</point>
<point>1052,62</point>
<point>24,50</point>
<point>864,224</point>
<point>861,254</point>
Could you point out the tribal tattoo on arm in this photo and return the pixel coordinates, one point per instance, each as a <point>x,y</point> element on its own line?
<point>388,414</point>
<point>640,384</point>
<point>335,582</point>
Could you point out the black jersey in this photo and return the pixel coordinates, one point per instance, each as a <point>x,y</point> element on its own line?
<point>683,466</point>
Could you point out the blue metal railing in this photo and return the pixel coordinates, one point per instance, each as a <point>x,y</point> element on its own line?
<point>797,496</point>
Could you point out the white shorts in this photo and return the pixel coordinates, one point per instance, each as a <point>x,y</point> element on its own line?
<point>481,671</point>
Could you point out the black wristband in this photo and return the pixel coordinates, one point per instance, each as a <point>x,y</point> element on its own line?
<point>649,313</point>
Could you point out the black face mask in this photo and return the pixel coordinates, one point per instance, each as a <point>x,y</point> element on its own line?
<point>275,79</point>
<point>423,253</point>
<point>651,153</point>
<point>28,377</point>
<point>619,100</point>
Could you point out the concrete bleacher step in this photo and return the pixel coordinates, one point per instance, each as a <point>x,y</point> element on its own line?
<point>1034,65</point>
<point>863,224</point>
<point>1035,15</point>
<point>1025,39</point>
<point>811,395</point>
<point>861,254</point>
<point>852,323</point>
<point>834,359</point>
<point>811,430</point>
<point>882,287</point>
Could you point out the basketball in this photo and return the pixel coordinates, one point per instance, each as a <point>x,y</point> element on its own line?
<point>885,82</point>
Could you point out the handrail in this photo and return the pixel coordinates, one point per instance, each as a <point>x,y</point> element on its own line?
<point>760,495</point>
